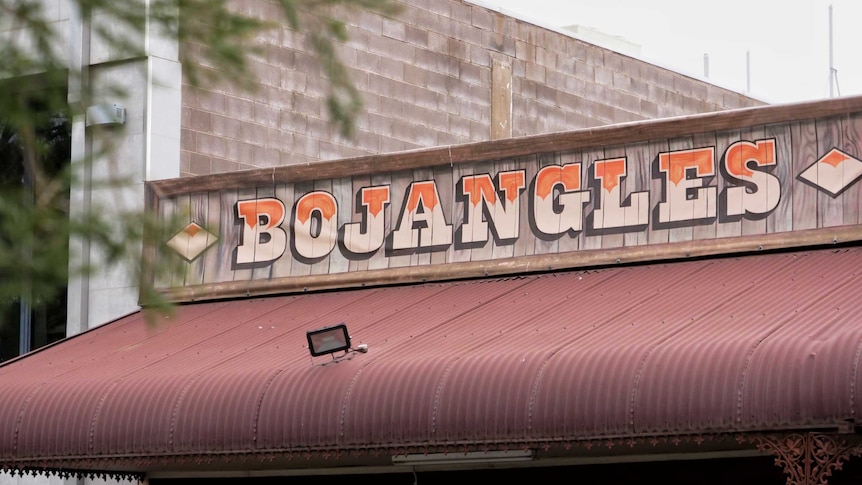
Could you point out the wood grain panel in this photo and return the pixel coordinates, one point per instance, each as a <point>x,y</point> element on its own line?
<point>358,183</point>
<point>423,256</point>
<point>230,234</point>
<point>168,210</point>
<point>655,233</point>
<point>830,210</point>
<point>481,252</point>
<point>801,209</point>
<point>524,244</point>
<point>182,216</point>
<point>322,266</point>
<point>804,152</point>
<point>548,245</point>
<point>684,233</point>
<point>198,208</point>
<point>281,268</point>
<point>400,182</point>
<point>264,272</point>
<point>852,145</point>
<point>588,240</point>
<point>708,231</point>
<point>298,268</point>
<point>446,185</point>
<point>567,242</point>
<point>614,239</point>
<point>342,190</point>
<point>379,259</point>
<point>506,250</point>
<point>458,209</point>
<point>727,227</point>
<point>638,180</point>
<point>524,265</point>
<point>242,273</point>
<point>781,218</point>
<point>751,225</point>
<point>213,225</point>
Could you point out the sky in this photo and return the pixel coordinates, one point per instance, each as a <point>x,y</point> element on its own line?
<point>777,51</point>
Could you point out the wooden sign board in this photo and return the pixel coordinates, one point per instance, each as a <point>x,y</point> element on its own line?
<point>743,180</point>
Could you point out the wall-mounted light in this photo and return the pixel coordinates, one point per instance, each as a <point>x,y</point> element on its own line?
<point>107,114</point>
<point>328,340</point>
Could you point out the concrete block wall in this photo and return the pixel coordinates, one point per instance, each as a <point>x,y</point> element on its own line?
<point>56,14</point>
<point>425,78</point>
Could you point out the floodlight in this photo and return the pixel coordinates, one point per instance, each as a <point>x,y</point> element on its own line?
<point>328,340</point>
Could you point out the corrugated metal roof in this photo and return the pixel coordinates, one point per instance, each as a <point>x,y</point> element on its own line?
<point>766,342</point>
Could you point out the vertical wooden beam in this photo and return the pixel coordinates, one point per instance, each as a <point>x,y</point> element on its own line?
<point>501,99</point>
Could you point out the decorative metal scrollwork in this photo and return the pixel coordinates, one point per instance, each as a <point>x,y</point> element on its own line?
<point>809,458</point>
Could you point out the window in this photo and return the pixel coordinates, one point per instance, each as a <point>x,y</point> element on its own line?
<point>31,319</point>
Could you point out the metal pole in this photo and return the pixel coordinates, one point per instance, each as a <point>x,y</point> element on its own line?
<point>831,65</point>
<point>706,65</point>
<point>747,71</point>
<point>25,324</point>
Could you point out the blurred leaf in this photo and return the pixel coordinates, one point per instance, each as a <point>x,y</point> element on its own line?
<point>219,38</point>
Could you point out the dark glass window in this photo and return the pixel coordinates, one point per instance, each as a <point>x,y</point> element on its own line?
<point>28,322</point>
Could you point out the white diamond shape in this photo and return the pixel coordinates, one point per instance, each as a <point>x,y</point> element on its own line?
<point>192,241</point>
<point>833,172</point>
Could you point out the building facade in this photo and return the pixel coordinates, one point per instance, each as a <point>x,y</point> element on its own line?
<point>437,74</point>
<point>468,101</point>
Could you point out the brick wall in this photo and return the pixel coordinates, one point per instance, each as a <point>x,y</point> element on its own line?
<point>425,77</point>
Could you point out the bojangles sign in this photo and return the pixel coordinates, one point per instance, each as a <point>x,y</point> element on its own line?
<point>491,207</point>
<point>780,176</point>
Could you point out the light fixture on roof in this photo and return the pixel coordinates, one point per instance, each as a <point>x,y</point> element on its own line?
<point>330,340</point>
<point>468,458</point>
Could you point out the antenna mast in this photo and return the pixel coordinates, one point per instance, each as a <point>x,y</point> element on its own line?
<point>833,73</point>
<point>747,71</point>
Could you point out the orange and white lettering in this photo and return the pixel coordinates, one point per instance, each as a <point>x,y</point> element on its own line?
<point>262,239</point>
<point>611,212</point>
<point>315,229</point>
<point>554,215</point>
<point>422,223</point>
<point>483,205</point>
<point>761,190</point>
<point>367,236</point>
<point>686,199</point>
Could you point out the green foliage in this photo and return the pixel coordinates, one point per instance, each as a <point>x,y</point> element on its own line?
<point>225,37</point>
<point>34,194</point>
<point>37,79</point>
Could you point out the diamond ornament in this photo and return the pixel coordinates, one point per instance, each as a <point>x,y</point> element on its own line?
<point>192,241</point>
<point>833,172</point>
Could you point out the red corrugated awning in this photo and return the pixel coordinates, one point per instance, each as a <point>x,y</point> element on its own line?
<point>697,348</point>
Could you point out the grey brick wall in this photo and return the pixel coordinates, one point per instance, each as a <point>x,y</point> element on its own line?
<point>425,77</point>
